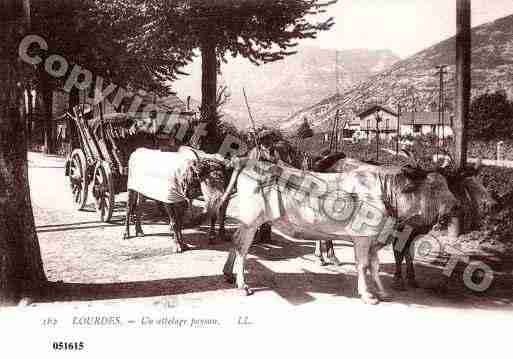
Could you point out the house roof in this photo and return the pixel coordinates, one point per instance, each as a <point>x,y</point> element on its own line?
<point>423,118</point>
<point>374,109</point>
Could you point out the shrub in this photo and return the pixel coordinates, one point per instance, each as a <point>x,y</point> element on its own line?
<point>488,149</point>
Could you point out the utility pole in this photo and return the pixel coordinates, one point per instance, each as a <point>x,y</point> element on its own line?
<point>378,120</point>
<point>463,78</point>
<point>463,86</point>
<point>398,130</point>
<point>414,108</point>
<point>441,109</point>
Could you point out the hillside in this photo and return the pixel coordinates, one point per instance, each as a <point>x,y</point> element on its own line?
<point>279,89</point>
<point>492,68</point>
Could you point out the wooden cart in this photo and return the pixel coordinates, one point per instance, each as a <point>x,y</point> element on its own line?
<point>98,162</point>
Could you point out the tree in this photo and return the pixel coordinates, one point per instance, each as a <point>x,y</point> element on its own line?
<point>21,267</point>
<point>491,117</point>
<point>260,30</point>
<point>107,42</point>
<point>304,131</point>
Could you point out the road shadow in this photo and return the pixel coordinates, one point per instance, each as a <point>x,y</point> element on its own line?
<point>296,288</point>
<point>150,215</point>
<point>72,292</point>
<point>277,249</point>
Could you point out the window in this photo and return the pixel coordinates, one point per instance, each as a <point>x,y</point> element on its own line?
<point>417,128</point>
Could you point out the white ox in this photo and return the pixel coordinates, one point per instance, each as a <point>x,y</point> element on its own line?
<point>363,205</point>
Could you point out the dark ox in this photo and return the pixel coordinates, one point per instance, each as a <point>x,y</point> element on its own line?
<point>173,179</point>
<point>361,205</point>
<point>476,202</point>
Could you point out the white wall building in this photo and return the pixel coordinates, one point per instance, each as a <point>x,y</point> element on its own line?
<point>410,123</point>
<point>424,123</point>
<point>378,119</point>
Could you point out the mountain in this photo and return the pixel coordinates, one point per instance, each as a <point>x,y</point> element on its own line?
<point>277,90</point>
<point>413,82</point>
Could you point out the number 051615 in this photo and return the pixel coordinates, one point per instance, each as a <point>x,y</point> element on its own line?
<point>68,345</point>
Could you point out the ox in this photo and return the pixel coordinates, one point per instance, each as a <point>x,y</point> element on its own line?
<point>475,201</point>
<point>362,205</point>
<point>173,179</point>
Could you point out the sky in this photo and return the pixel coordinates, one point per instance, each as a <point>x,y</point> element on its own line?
<point>403,26</point>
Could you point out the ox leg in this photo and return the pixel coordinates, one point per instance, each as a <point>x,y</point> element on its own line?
<point>230,261</point>
<point>212,229</point>
<point>362,256</point>
<point>264,233</point>
<point>162,209</point>
<point>129,209</point>
<point>228,267</point>
<point>330,254</point>
<point>410,270</point>
<point>138,228</point>
<point>235,262</point>
<point>179,217</point>
<point>241,251</point>
<point>374,264</point>
<point>174,228</point>
<point>320,250</point>
<point>222,219</point>
<point>179,210</point>
<point>398,283</point>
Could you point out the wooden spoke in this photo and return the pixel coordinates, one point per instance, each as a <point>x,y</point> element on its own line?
<point>103,191</point>
<point>78,178</point>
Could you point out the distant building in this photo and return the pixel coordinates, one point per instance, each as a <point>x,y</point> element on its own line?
<point>410,123</point>
<point>424,123</point>
<point>378,119</point>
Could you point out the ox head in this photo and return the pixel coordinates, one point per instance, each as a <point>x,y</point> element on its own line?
<point>423,198</point>
<point>193,174</point>
<point>465,184</point>
<point>469,189</point>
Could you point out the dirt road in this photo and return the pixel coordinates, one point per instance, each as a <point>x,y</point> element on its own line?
<point>94,263</point>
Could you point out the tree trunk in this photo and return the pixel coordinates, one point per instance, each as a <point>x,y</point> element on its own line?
<point>208,92</point>
<point>46,90</point>
<point>21,267</point>
<point>30,106</point>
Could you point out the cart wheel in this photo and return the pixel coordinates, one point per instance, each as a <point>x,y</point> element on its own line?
<point>103,191</point>
<point>78,178</point>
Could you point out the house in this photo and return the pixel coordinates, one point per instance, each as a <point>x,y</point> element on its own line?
<point>378,119</point>
<point>424,123</point>
<point>408,123</point>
